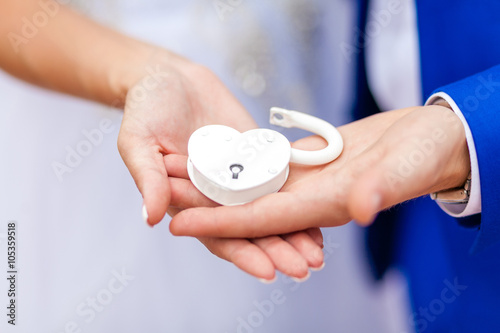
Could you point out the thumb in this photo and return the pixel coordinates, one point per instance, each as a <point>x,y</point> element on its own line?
<point>393,179</point>
<point>147,167</point>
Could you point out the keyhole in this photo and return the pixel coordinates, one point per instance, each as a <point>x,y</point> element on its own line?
<point>236,169</point>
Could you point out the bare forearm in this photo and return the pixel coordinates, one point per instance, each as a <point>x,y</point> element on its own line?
<point>50,45</point>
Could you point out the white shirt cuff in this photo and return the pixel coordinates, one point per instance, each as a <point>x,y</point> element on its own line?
<point>474,204</point>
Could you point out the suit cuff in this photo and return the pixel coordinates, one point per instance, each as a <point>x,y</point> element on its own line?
<point>474,204</point>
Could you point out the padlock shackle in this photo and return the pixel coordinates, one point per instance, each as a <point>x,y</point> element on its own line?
<point>286,118</point>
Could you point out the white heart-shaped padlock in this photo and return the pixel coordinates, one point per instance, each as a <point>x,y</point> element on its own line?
<point>233,168</point>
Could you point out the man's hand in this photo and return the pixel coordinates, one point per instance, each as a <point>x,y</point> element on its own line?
<point>387,159</point>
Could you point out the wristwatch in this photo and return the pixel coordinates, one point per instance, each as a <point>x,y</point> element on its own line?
<point>458,195</point>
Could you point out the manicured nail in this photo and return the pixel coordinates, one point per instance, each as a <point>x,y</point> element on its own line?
<point>145,215</point>
<point>269,281</point>
<point>317,269</point>
<point>300,280</point>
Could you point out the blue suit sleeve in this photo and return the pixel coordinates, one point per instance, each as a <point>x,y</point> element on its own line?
<point>478,97</point>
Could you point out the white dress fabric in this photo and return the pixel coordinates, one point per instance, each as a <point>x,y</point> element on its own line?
<point>86,261</point>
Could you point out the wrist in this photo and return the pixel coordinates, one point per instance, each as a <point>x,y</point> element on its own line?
<point>129,67</point>
<point>473,205</point>
<point>457,168</point>
<point>141,64</point>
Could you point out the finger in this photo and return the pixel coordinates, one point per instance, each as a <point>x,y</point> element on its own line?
<point>185,195</point>
<point>273,214</point>
<point>176,165</point>
<point>147,167</point>
<point>172,211</point>
<point>242,253</point>
<point>317,235</point>
<point>284,256</point>
<point>307,247</point>
<point>383,186</point>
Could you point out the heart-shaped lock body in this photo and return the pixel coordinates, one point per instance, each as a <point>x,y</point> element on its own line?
<point>233,168</point>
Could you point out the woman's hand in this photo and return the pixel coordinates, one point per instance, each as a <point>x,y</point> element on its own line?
<point>170,101</point>
<point>292,254</point>
<point>162,109</point>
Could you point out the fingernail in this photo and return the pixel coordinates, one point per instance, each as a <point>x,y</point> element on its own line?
<point>305,278</point>
<point>145,215</point>
<point>269,281</point>
<point>317,269</point>
<point>319,240</point>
